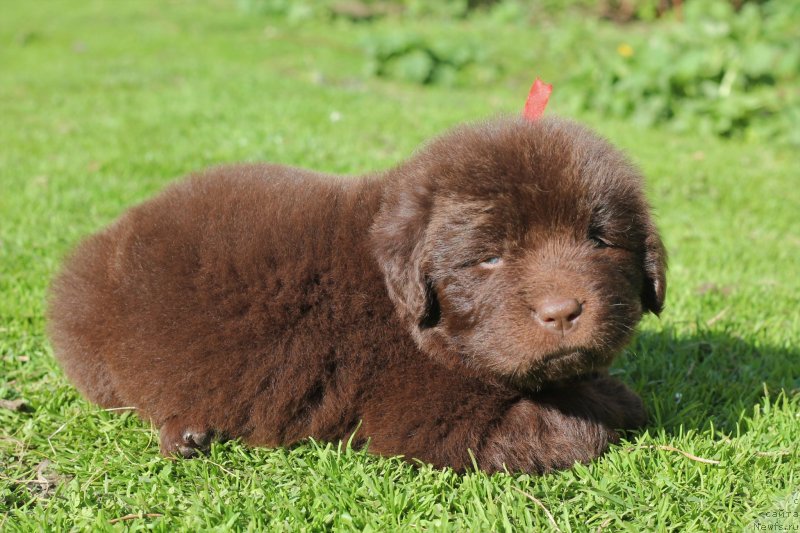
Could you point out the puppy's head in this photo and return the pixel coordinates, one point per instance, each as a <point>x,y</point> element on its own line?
<point>522,249</point>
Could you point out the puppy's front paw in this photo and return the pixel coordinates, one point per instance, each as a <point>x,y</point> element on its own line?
<point>611,402</point>
<point>537,437</point>
<point>178,438</point>
<point>555,429</point>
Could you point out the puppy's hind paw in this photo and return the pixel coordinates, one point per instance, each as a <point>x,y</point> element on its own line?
<point>177,439</point>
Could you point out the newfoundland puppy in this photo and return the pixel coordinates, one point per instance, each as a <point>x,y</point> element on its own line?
<point>466,303</point>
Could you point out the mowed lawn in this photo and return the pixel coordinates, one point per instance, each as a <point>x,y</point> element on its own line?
<point>102,104</point>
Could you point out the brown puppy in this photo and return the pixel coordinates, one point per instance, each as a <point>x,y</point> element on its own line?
<point>469,300</point>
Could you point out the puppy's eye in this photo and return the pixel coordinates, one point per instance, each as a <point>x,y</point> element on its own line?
<point>598,240</point>
<point>492,262</point>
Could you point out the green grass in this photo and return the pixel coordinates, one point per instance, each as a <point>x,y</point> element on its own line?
<point>100,106</point>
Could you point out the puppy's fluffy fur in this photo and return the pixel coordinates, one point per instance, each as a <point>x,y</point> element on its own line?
<point>271,304</point>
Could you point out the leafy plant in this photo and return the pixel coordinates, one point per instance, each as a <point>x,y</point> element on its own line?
<point>414,58</point>
<point>719,71</point>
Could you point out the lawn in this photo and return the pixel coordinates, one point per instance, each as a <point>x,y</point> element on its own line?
<point>102,104</point>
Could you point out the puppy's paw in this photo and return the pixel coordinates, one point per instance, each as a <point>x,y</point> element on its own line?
<point>612,402</point>
<point>541,437</point>
<point>562,426</point>
<point>178,438</point>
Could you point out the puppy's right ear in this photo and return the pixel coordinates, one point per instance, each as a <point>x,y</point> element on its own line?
<point>400,245</point>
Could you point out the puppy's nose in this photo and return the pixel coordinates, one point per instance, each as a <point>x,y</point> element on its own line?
<point>557,314</point>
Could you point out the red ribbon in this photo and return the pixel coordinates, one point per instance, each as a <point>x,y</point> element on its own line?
<point>537,100</point>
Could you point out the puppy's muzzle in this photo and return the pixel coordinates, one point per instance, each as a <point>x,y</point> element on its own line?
<point>557,314</point>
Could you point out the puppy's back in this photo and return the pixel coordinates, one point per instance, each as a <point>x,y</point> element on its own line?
<point>183,284</point>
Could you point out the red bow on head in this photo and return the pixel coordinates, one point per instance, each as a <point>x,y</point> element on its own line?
<point>537,100</point>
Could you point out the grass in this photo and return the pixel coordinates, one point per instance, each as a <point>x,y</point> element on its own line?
<point>101,107</point>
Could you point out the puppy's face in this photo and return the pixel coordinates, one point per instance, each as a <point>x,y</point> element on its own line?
<point>523,249</point>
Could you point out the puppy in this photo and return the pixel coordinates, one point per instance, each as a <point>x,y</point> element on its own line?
<point>467,302</point>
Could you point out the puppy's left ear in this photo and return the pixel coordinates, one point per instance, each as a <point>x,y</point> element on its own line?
<point>655,267</point>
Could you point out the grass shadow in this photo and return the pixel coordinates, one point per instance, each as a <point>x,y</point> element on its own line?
<point>691,381</point>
